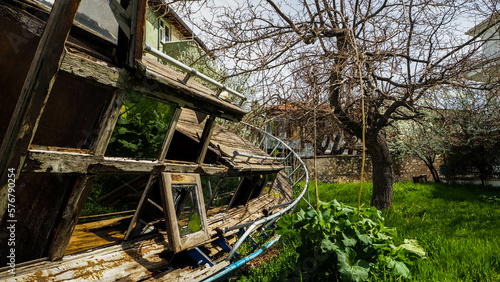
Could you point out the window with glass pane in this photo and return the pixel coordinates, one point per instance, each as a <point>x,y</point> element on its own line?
<point>164,32</point>
<point>95,15</point>
<point>186,207</point>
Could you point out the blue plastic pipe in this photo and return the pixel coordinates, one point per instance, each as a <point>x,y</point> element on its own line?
<point>241,262</point>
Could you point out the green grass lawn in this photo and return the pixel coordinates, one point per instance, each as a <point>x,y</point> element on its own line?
<point>457,225</point>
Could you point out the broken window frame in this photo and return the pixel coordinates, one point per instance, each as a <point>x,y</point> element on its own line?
<point>177,242</point>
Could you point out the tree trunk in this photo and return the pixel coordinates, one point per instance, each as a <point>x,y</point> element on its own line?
<point>430,165</point>
<point>435,174</point>
<point>382,171</point>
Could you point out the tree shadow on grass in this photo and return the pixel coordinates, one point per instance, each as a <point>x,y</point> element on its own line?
<point>461,192</point>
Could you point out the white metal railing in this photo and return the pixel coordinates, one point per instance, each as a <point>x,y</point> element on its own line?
<point>250,156</point>
<point>292,158</point>
<point>190,71</point>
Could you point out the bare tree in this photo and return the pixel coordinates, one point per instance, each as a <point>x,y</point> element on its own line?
<point>394,54</point>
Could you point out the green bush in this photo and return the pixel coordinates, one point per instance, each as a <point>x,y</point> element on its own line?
<point>141,128</point>
<point>338,243</point>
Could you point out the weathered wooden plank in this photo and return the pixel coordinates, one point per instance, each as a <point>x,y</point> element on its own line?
<point>169,213</point>
<point>185,274</point>
<point>227,142</point>
<point>107,123</point>
<point>205,139</point>
<point>133,223</point>
<point>170,133</point>
<point>162,84</point>
<point>244,169</point>
<point>29,23</point>
<point>133,260</point>
<point>35,92</point>
<point>95,71</point>
<point>139,24</point>
<point>207,272</point>
<point>69,161</point>
<point>171,275</point>
<point>160,78</point>
<point>69,217</point>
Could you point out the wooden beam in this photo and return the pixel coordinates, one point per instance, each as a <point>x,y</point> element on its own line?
<point>138,211</point>
<point>29,23</point>
<point>107,123</point>
<point>205,139</point>
<point>139,24</point>
<point>121,16</point>
<point>95,71</point>
<point>124,34</point>
<point>70,161</point>
<point>171,225</point>
<point>35,91</point>
<point>133,24</point>
<point>69,217</point>
<point>161,87</point>
<point>137,29</point>
<point>170,133</point>
<point>236,192</point>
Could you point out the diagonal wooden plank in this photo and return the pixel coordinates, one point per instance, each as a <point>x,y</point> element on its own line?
<point>35,91</point>
<point>205,139</point>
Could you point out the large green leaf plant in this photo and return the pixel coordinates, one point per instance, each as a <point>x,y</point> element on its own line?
<point>339,244</point>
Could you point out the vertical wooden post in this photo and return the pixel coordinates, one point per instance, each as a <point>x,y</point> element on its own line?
<point>35,91</point>
<point>205,139</point>
<point>138,26</point>
<point>74,206</point>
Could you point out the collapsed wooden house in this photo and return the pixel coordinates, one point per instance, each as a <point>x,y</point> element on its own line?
<point>186,197</point>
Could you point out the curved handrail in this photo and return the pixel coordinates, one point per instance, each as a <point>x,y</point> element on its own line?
<point>280,213</point>
<point>241,262</point>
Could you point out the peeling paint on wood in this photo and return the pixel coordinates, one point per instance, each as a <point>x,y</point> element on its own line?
<point>72,162</point>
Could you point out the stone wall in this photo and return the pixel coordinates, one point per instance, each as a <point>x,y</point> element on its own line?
<point>347,168</point>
